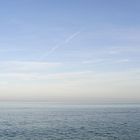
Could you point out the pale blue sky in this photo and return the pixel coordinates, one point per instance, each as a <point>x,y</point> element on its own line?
<point>70,50</point>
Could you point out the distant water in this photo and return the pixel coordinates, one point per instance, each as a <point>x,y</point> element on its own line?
<point>43,121</point>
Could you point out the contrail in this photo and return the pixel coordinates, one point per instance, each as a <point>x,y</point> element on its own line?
<point>71,37</point>
<point>66,41</point>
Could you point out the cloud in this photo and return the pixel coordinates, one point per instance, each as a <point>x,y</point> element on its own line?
<point>64,42</point>
<point>110,61</point>
<point>33,71</point>
<point>123,61</point>
<point>10,50</point>
<point>95,61</point>
<point>82,85</point>
<point>26,66</point>
<point>45,76</point>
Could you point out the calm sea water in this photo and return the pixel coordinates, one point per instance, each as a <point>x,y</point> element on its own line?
<point>43,121</point>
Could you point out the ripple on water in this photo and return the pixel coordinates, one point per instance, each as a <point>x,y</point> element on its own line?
<point>66,123</point>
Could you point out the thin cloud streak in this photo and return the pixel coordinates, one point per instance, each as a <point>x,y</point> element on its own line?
<point>27,66</point>
<point>66,41</point>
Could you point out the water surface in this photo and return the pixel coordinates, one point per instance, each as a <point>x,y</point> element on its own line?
<point>43,121</point>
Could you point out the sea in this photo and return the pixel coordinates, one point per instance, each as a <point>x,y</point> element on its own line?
<point>56,121</point>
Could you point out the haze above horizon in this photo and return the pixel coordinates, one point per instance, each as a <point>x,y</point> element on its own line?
<point>81,51</point>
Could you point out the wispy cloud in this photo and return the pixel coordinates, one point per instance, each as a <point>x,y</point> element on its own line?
<point>123,61</point>
<point>107,61</point>
<point>11,50</point>
<point>76,85</point>
<point>64,42</point>
<point>95,61</point>
<point>26,66</point>
<point>46,76</point>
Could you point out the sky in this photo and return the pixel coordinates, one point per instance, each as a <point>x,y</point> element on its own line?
<point>70,51</point>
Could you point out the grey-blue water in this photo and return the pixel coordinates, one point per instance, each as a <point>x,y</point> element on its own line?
<point>42,121</point>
